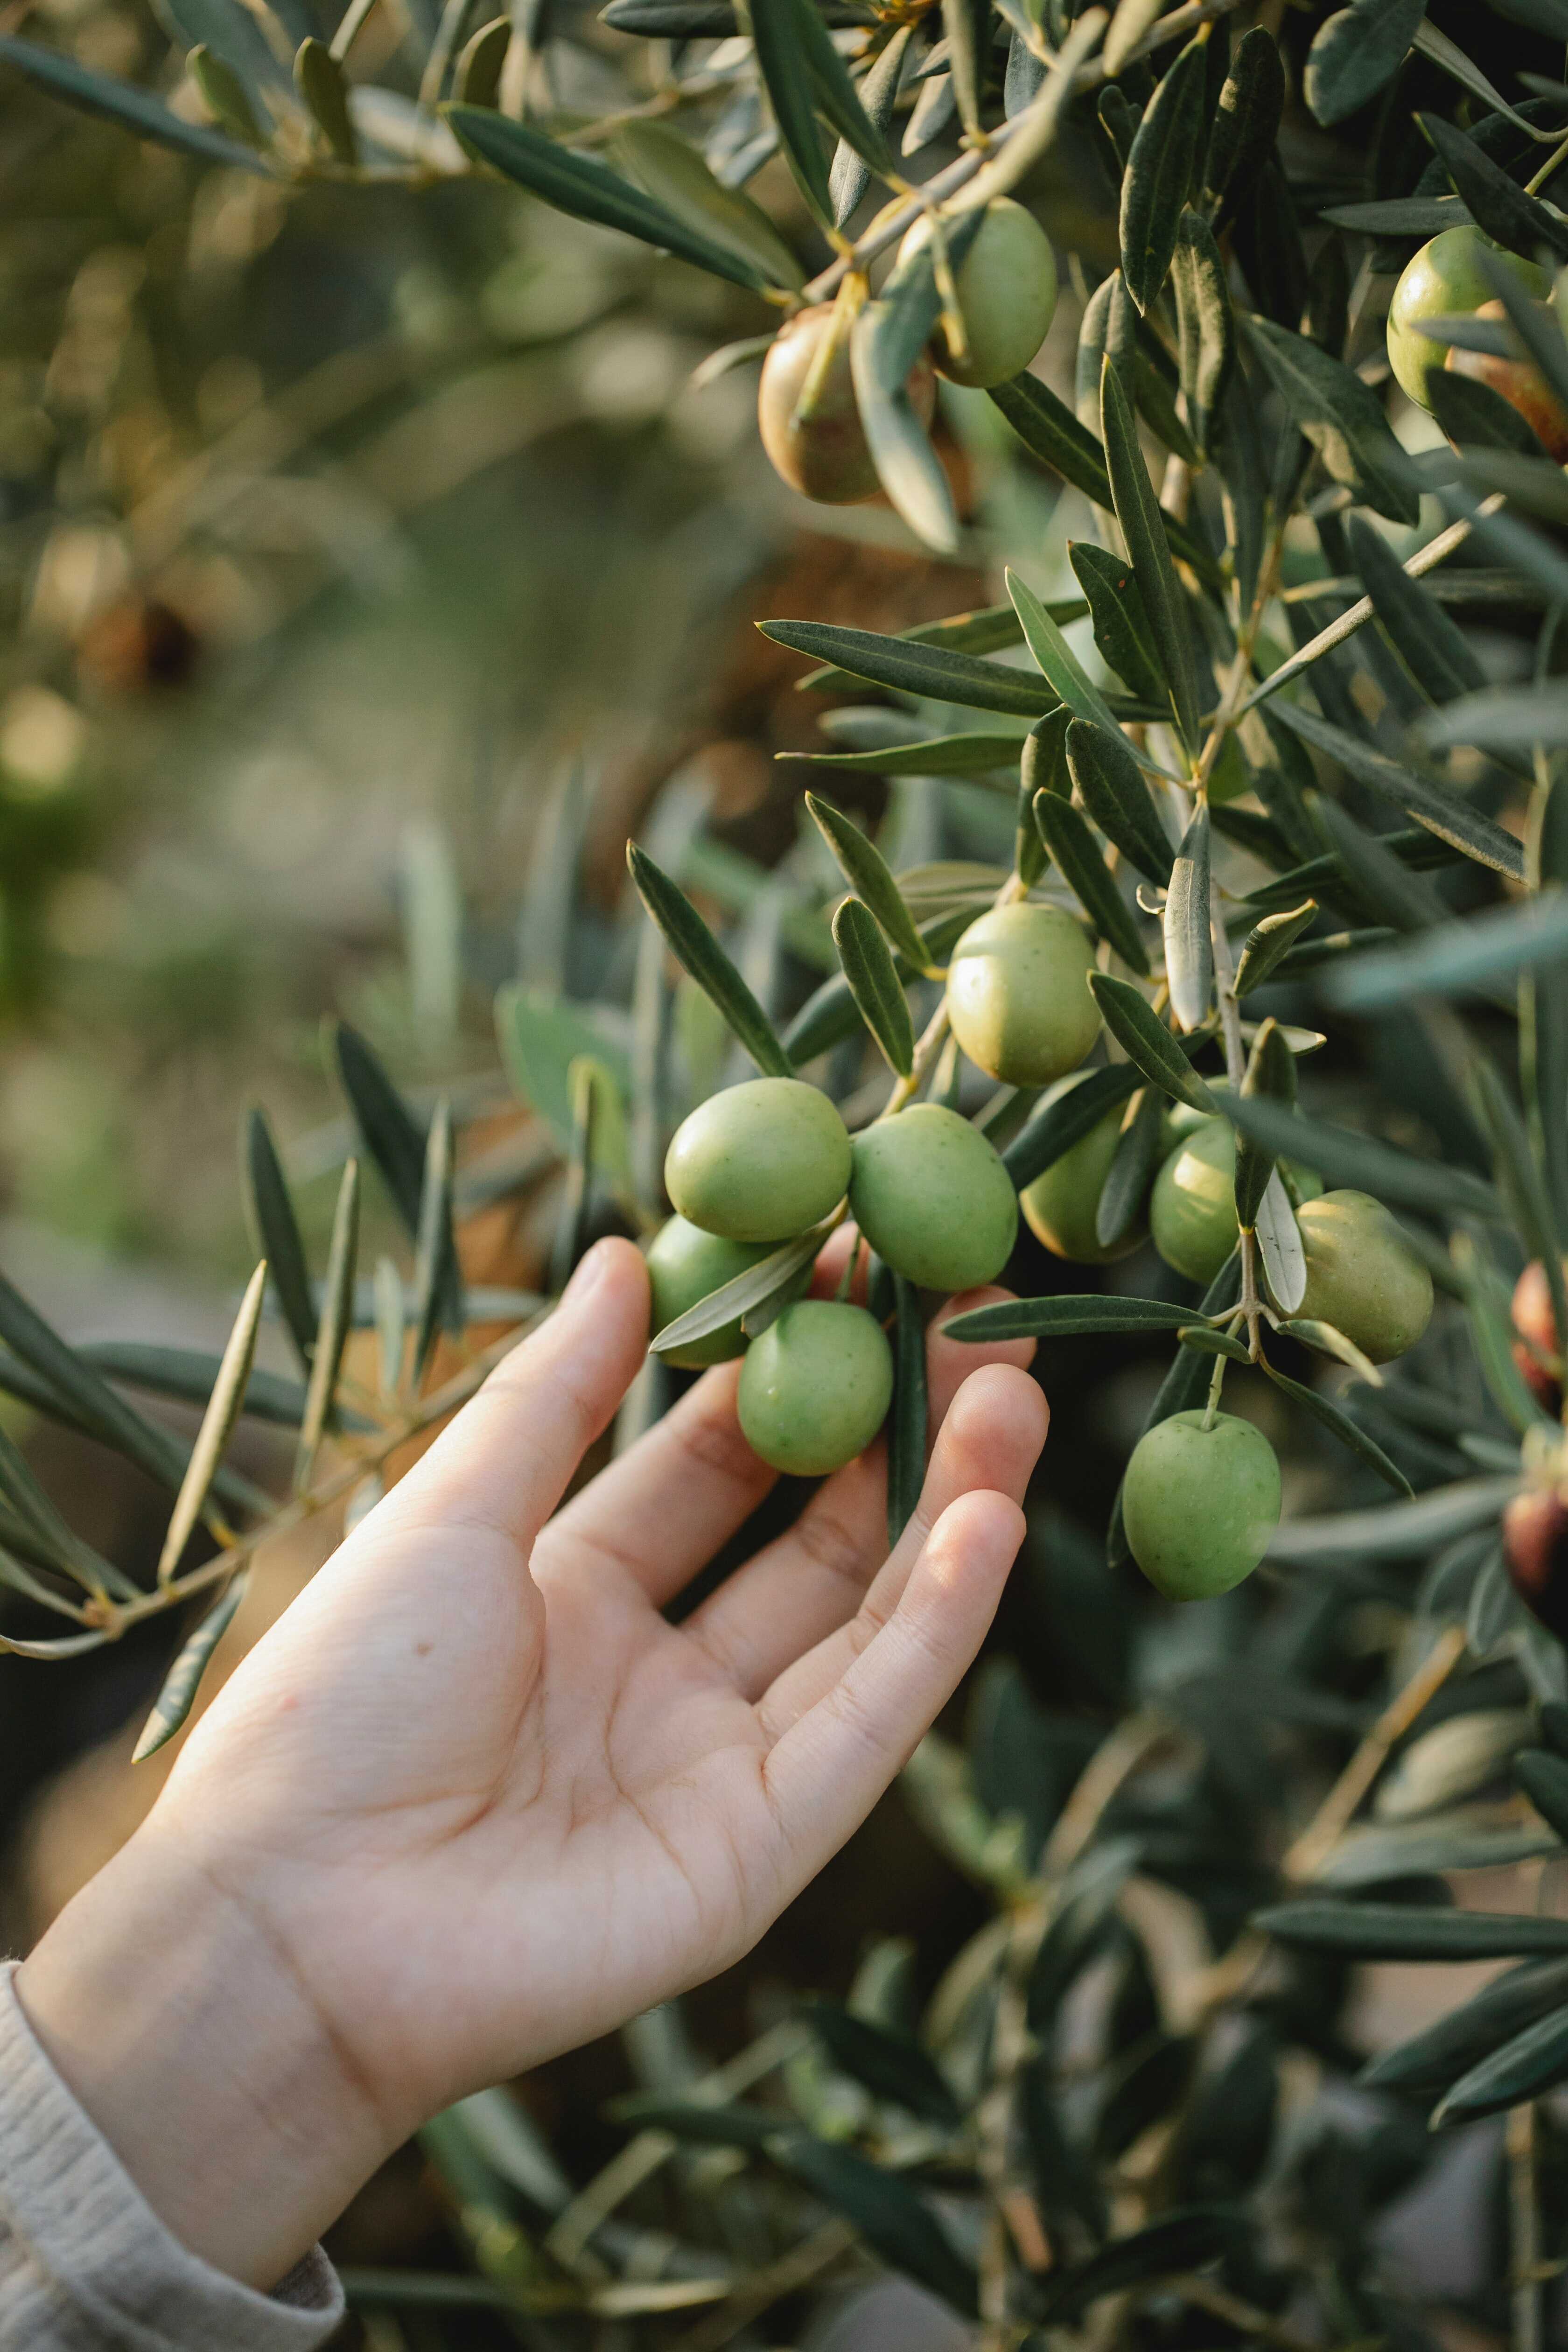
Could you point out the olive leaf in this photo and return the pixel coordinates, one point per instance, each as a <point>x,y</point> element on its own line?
<point>324,94</point>
<point>1072,845</point>
<point>1206,1340</point>
<point>830,1015</point>
<point>1058,1125</point>
<point>1121,630</point>
<point>1268,941</point>
<point>1431,805</point>
<point>1270,1074</point>
<point>177,1696</point>
<point>1355,52</point>
<point>1421,217</point>
<point>964,62</point>
<point>1137,513</point>
<point>1065,1317</point>
<point>786,31</point>
<point>1182,2239</point>
<point>1533,2061</point>
<point>224,95</point>
<point>1514,219</point>
<point>1245,122</point>
<point>987,630</point>
<point>905,1430</point>
<point>935,673</point>
<point>734,1300</point>
<point>1360,1162</point>
<point>1327,1341</point>
<point>1048,427</point>
<point>136,110</point>
<point>885,2062</point>
<point>1063,672</point>
<point>1342,417</point>
<point>695,947</point>
<point>981,758</point>
<point>333,1329</point>
<point>188,1374</point>
<point>578,184</point>
<point>1206,326</point>
<point>850,175</point>
<point>1431,2060</point>
<point>435,1253</point>
<point>885,343</point>
<point>1340,1424</point>
<point>1133,1165</point>
<point>1434,650</point>
<point>786,66</point>
<point>895,2221</point>
<point>874,983</point>
<point>1145,1039</point>
<point>540,1037</point>
<point>1159,174</point>
<point>223,1408</point>
<point>1399,1931</point>
<point>476,78</point>
<point>1189,951</point>
<point>87,1397</point>
<point>672,171</point>
<point>274,1233</point>
<point>1106,772</point>
<point>1279,1246</point>
<point>864,869</point>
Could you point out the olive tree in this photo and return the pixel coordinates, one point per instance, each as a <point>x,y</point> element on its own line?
<point>1280,771</point>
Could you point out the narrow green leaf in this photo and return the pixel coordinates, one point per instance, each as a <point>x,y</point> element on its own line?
<point>1312,1333</point>
<point>1189,951</point>
<point>391,1315</point>
<point>1271,1074</point>
<point>1355,52</point>
<point>963,61</point>
<point>1063,672</point>
<point>935,673</point>
<point>905,1421</point>
<point>324,93</point>
<point>864,869</point>
<point>1124,1194</point>
<point>333,1330</point>
<point>1066,1121</point>
<point>1185,2238</point>
<point>885,2062</point>
<point>1279,1246</point>
<point>1137,513</point>
<point>540,1037</point>
<point>1205,325</point>
<point>1121,630</point>
<point>734,1301</point>
<point>696,949</point>
<point>1360,1163</point>
<point>390,1135</point>
<point>894,2220</point>
<point>188,1373</point>
<point>785,64</point>
<point>274,1233</point>
<point>1144,1038</point>
<point>850,176</point>
<point>1072,845</point>
<point>88,1397</point>
<point>1159,174</point>
<point>1268,941</point>
<point>121,102</point>
<point>43,1536</point>
<point>874,983</point>
<point>1456,958</point>
<point>1433,805</point>
<point>1206,1340</point>
<point>1339,1423</point>
<point>1245,122</point>
<point>174,1701</point>
<point>1049,428</point>
<point>971,756</point>
<point>672,170</point>
<point>830,1015</point>
<point>1533,2061</point>
<point>1434,649</point>
<point>1497,203</point>
<point>476,80</point>
<point>1421,217</point>
<point>1430,2060</point>
<point>577,184</point>
<point>1113,789</point>
<point>1065,1317</point>
<point>989,629</point>
<point>1401,1931</point>
<point>436,1253</point>
<point>1544,1780</point>
<point>1342,417</point>
<point>223,1408</point>
<point>224,95</point>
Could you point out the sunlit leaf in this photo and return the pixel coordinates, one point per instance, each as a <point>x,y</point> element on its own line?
<point>223,1408</point>
<point>175,1700</point>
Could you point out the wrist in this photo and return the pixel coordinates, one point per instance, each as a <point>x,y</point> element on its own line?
<point>179,2025</point>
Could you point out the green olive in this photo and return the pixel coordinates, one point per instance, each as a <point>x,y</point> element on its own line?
<point>1007,291</point>
<point>932,1198</point>
<point>1445,279</point>
<point>686,1265</point>
<point>1181,1119</point>
<point>1199,1505</point>
<point>1191,1211</point>
<point>759,1162</point>
<point>825,456</point>
<point>1060,1205</point>
<point>1519,382</point>
<point>1018,996</point>
<point>1362,1276</point>
<point>816,1387</point>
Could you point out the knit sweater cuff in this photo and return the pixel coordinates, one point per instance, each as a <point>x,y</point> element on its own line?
<point>84,2263</point>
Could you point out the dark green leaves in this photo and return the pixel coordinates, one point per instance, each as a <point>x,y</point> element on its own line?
<point>1342,417</point>
<point>1269,941</point>
<point>1245,122</point>
<point>863,869</point>
<point>891,2215</point>
<point>1159,174</point>
<point>333,1329</point>
<point>696,949</point>
<point>1205,324</point>
<point>324,93</point>
<point>1144,1038</point>
<point>934,672</point>
<point>1434,649</point>
<point>1341,1425</point>
<point>906,1415</point>
<point>174,1701</point>
<point>1533,2061</point>
<point>874,983</point>
<point>1121,628</point>
<point>1189,951</point>
<point>1137,513</point>
<point>1180,2240</point>
<point>1398,1931</point>
<point>1360,1163</point>
<point>1433,805</point>
<point>1124,1194</point>
<point>1544,1780</point>
<point>1496,203</point>
<point>275,1232</point>
<point>1355,51</point>
<point>890,2064</point>
<point>1071,843</point>
<point>136,110</point>
<point>1066,1121</point>
<point>1111,784</point>
<point>581,185</point>
<point>1429,2062</point>
<point>1063,672</point>
<point>804,73</point>
<point>1065,1317</point>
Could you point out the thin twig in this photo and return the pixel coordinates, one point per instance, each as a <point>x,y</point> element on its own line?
<point>1339,1808</point>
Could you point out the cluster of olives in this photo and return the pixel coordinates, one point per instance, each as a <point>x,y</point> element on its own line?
<point>807,411</point>
<point>766,1162</point>
<point>1450,278</point>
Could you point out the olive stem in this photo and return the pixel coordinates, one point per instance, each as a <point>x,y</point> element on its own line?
<point>1217,1383</point>
<point>1339,1808</point>
<point>1559,155</point>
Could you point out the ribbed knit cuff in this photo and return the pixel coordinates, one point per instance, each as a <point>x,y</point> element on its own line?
<point>86,2265</point>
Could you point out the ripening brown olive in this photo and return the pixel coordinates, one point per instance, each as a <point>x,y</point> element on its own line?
<point>1535,1550</point>
<point>825,456</point>
<point>1447,278</point>
<point>1521,383</point>
<point>1537,1329</point>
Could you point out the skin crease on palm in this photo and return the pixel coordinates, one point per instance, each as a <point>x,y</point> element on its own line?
<point>472,1800</point>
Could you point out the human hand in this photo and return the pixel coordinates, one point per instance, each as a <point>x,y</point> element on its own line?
<point>473,1800</point>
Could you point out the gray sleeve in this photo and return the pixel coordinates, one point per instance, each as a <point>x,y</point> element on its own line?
<point>85,2263</point>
